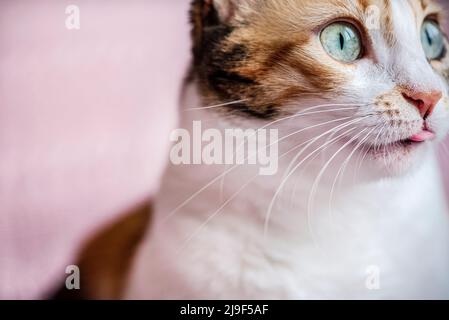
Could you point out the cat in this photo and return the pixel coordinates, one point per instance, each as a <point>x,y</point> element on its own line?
<point>358,92</point>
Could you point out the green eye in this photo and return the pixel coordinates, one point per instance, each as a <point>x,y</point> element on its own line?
<point>342,41</point>
<point>432,40</point>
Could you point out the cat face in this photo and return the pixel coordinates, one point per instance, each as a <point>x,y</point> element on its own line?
<point>379,65</point>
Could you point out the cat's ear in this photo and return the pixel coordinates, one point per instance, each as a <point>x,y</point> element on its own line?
<point>217,11</point>
<point>226,9</point>
<point>211,21</point>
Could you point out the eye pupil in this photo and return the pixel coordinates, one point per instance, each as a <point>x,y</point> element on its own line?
<point>342,41</point>
<point>429,38</point>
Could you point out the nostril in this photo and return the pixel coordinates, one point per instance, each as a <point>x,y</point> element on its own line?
<point>416,102</point>
<point>425,102</point>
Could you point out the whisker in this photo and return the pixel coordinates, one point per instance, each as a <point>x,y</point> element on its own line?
<point>222,206</point>
<point>217,105</point>
<point>368,148</point>
<point>331,132</point>
<point>339,127</point>
<point>289,173</point>
<point>174,211</point>
<point>213,215</point>
<point>320,175</point>
<point>343,168</point>
<point>302,113</point>
<point>386,146</point>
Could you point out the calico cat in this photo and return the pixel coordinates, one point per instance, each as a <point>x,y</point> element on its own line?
<point>358,92</point>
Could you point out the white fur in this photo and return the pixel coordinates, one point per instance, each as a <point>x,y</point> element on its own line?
<point>398,224</point>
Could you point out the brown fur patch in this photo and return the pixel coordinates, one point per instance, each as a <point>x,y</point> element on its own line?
<point>106,259</point>
<point>264,61</point>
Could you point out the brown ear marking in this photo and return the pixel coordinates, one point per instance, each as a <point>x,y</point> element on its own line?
<point>206,26</point>
<point>106,259</point>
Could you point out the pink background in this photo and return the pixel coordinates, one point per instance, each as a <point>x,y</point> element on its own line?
<point>84,123</point>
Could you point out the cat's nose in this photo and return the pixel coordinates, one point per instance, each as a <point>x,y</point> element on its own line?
<point>425,102</point>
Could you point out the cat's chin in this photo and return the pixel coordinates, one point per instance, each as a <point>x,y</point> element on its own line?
<point>399,158</point>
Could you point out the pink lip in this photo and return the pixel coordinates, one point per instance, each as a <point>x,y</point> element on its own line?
<point>424,135</point>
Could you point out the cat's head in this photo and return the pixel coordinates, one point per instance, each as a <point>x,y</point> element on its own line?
<point>374,69</point>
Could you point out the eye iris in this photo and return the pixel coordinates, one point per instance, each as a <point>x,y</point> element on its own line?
<point>432,40</point>
<point>341,41</point>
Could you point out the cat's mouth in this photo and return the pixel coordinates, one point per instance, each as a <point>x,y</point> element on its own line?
<point>425,135</point>
<point>405,145</point>
<point>416,139</point>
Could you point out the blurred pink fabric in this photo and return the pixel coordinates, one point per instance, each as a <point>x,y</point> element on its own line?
<point>84,122</point>
<point>85,117</point>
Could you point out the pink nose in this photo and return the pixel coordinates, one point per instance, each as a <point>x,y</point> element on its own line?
<point>425,102</point>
